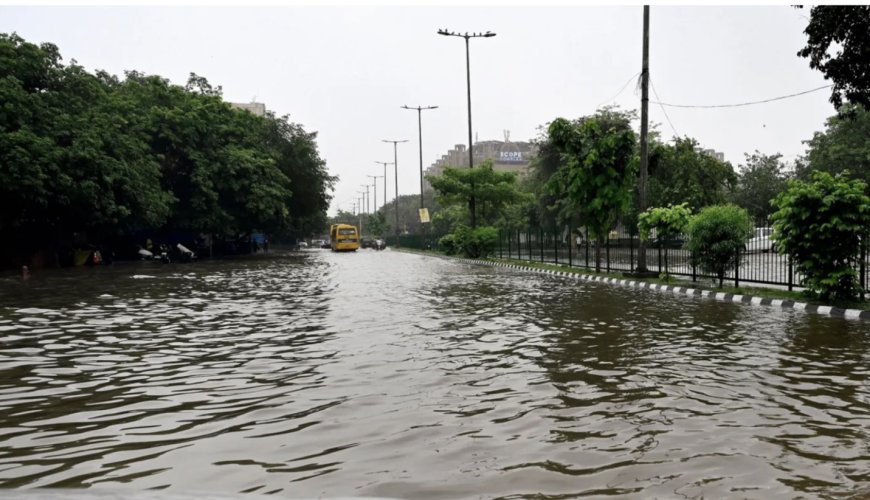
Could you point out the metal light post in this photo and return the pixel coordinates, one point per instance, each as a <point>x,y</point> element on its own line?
<point>384,163</point>
<point>420,139</point>
<point>396,171</point>
<point>368,205</point>
<point>375,186</point>
<point>466,36</point>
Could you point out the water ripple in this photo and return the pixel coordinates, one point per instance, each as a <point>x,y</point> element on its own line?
<point>388,374</point>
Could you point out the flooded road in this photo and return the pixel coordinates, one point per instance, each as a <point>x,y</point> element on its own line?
<point>391,374</point>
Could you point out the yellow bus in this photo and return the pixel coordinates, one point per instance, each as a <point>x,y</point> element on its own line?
<point>343,237</point>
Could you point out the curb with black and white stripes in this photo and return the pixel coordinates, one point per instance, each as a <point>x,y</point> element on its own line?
<point>686,290</point>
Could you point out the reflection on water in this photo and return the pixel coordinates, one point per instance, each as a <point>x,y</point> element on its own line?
<point>381,373</point>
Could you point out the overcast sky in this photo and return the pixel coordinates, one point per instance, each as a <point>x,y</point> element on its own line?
<point>345,71</point>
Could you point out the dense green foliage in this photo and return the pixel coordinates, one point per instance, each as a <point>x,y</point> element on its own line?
<point>842,146</point>
<point>409,213</point>
<point>680,173</point>
<point>821,224</point>
<point>668,221</point>
<point>716,235</point>
<point>92,159</point>
<point>497,198</point>
<point>760,180</point>
<point>474,243</point>
<point>596,174</point>
<point>838,45</point>
<point>492,190</point>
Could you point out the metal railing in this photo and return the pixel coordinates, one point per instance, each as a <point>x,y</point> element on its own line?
<point>759,263</point>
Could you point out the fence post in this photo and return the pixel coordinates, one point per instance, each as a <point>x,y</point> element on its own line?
<point>556,238</point>
<point>572,240</point>
<point>631,249</point>
<point>587,247</point>
<point>863,267</point>
<point>607,251</point>
<point>790,273</point>
<point>541,242</point>
<point>737,270</point>
<point>660,254</point>
<point>529,242</point>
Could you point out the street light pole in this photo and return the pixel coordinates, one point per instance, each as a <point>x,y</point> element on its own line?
<point>375,186</point>
<point>396,172</point>
<point>420,139</point>
<point>384,163</point>
<point>467,37</point>
<point>368,200</point>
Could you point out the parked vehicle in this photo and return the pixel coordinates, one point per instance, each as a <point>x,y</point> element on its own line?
<point>379,244</point>
<point>761,242</point>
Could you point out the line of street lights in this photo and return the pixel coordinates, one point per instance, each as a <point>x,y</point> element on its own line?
<point>471,205</point>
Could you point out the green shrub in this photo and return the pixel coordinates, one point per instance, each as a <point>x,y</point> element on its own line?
<point>480,242</point>
<point>716,235</point>
<point>820,224</point>
<point>667,221</point>
<point>448,245</point>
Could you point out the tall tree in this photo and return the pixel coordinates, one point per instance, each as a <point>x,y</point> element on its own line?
<point>596,174</point>
<point>492,190</point>
<point>681,172</point>
<point>842,146</point>
<point>761,179</point>
<point>838,45</point>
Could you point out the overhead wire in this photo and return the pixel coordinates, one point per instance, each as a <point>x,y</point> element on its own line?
<point>618,93</point>
<point>676,134</point>
<point>708,106</point>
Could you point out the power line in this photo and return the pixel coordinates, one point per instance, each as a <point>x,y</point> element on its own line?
<point>743,103</point>
<point>620,91</point>
<point>653,85</point>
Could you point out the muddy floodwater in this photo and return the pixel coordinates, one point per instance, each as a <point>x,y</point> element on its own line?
<point>390,374</point>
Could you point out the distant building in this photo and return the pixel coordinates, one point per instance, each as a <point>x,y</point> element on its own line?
<point>506,156</point>
<point>257,108</point>
<point>710,152</point>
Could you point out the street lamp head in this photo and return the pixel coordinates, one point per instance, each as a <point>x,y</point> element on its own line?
<point>488,34</point>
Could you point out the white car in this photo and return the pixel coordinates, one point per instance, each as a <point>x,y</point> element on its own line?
<point>761,242</point>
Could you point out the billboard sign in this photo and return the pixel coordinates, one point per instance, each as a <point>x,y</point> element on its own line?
<point>510,157</point>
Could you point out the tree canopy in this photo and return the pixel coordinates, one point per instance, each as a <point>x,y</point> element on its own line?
<point>842,146</point>
<point>596,172</point>
<point>838,45</point>
<point>760,180</point>
<point>680,172</point>
<point>92,158</point>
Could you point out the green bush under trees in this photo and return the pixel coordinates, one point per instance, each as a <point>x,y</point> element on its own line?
<point>822,224</point>
<point>668,223</point>
<point>716,236</point>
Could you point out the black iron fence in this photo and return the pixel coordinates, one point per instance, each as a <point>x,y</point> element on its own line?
<point>759,261</point>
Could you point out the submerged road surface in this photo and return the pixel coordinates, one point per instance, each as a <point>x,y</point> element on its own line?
<point>392,374</point>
